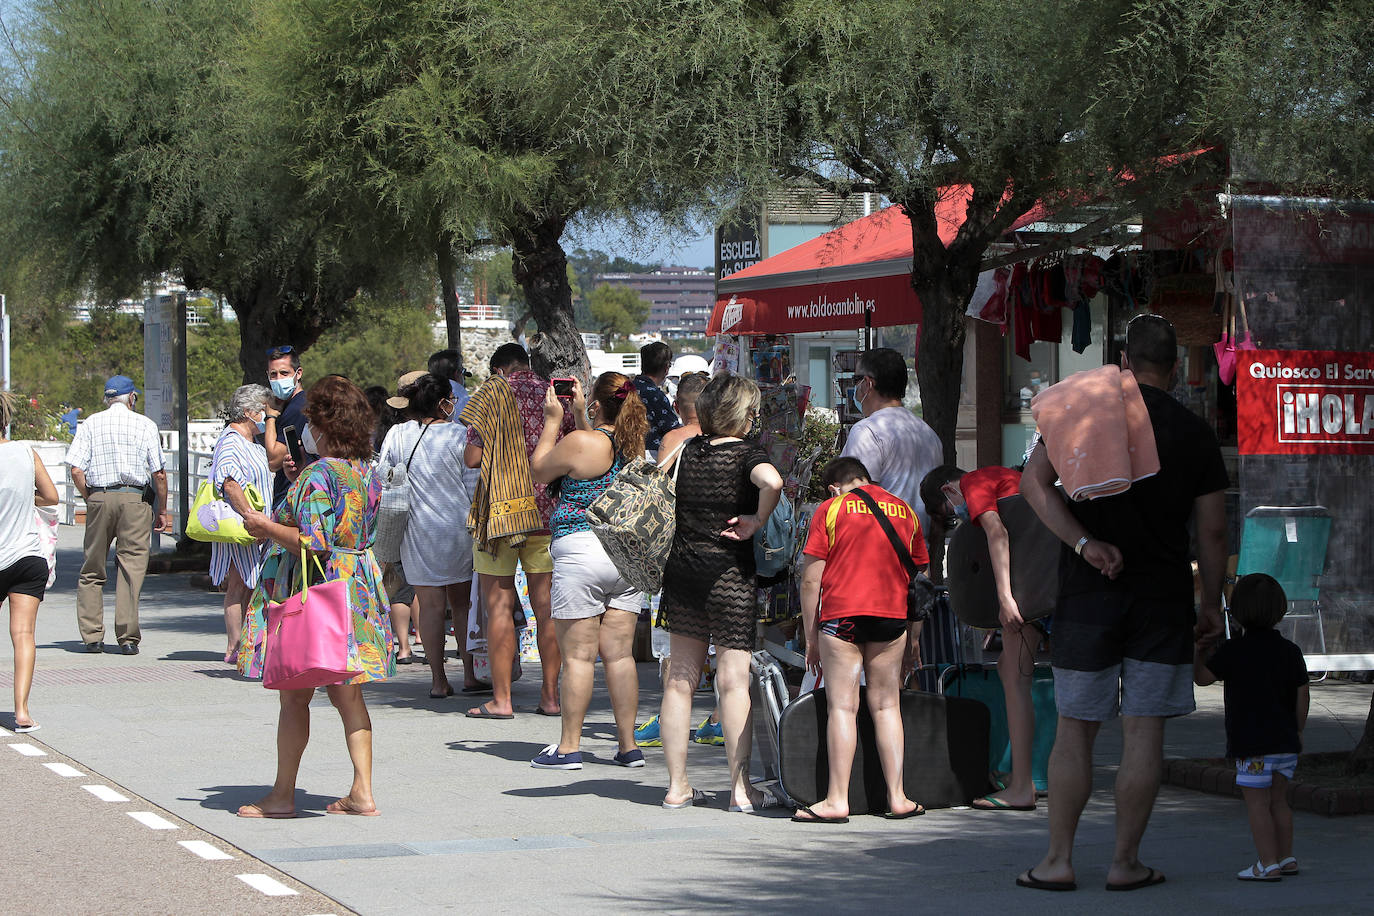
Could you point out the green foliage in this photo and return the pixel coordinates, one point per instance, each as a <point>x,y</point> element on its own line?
<point>375,345</point>
<point>36,421</point>
<point>820,432</point>
<point>68,368</point>
<point>212,365</point>
<point>617,311</point>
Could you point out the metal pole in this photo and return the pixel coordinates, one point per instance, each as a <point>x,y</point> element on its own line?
<point>183,409</point>
<point>5,330</point>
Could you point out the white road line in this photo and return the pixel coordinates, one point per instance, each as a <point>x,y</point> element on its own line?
<point>151,820</point>
<point>269,886</point>
<point>105,793</point>
<point>5,732</point>
<point>204,849</point>
<point>28,750</point>
<point>63,769</point>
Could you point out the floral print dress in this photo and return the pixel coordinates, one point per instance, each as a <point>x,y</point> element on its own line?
<point>334,504</point>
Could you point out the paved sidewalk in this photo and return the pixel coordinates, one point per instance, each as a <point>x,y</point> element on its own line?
<point>468,825</point>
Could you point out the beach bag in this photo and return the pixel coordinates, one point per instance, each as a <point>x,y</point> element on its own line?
<point>393,511</point>
<point>776,541</point>
<point>45,520</point>
<point>212,519</point>
<point>310,640</point>
<point>634,519</point>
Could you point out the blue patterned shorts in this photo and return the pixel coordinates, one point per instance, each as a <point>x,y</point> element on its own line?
<point>1258,772</point>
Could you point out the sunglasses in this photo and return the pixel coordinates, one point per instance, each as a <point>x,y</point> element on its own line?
<point>284,350</point>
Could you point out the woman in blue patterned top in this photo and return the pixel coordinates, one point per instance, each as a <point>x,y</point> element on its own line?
<point>594,609</point>
<point>239,462</point>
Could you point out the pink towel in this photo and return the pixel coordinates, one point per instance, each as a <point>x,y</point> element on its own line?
<point>1098,432</point>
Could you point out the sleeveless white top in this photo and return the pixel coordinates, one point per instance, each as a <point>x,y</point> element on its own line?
<point>18,533</point>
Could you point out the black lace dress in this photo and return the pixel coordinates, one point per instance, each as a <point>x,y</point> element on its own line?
<point>708,583</point>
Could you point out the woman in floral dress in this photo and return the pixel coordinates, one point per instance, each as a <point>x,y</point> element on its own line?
<point>330,512</point>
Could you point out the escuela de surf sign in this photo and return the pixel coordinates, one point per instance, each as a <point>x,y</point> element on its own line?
<point>1305,402</point>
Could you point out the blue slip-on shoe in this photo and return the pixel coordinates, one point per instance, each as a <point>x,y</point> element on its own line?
<point>550,759</point>
<point>647,735</point>
<point>710,733</point>
<point>631,758</point>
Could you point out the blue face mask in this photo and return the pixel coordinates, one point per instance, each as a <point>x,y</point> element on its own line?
<point>282,388</point>
<point>961,512</point>
<point>261,425</point>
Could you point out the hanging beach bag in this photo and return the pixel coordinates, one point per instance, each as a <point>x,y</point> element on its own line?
<point>393,511</point>
<point>776,541</point>
<point>310,640</point>
<point>212,519</point>
<point>634,519</point>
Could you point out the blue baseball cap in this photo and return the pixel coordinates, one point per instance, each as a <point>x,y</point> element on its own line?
<point>120,384</point>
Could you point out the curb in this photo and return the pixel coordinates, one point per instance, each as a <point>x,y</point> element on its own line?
<point>1217,776</point>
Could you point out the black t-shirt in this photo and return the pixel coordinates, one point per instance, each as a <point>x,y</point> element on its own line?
<point>1262,672</point>
<point>292,414</point>
<point>1149,522</point>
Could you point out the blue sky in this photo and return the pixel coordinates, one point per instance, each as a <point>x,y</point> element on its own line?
<point>670,250</point>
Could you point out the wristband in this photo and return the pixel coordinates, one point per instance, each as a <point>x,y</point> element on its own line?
<point>1082,542</point>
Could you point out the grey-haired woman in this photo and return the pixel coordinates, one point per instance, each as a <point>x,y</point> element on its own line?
<point>238,462</point>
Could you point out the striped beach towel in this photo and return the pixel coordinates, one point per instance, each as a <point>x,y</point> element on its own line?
<point>504,505</point>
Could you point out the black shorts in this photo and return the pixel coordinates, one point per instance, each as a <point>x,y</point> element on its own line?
<point>27,576</point>
<point>862,629</point>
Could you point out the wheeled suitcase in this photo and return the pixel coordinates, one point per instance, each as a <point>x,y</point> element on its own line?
<point>983,684</point>
<point>946,760</point>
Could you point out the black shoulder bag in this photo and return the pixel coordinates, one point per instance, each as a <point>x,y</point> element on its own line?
<point>920,591</point>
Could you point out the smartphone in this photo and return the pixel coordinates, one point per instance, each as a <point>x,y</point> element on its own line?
<point>563,387</point>
<point>293,445</point>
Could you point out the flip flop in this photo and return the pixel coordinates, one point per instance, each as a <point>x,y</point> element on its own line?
<point>768,801</point>
<point>344,806</point>
<point>476,688</point>
<point>1029,880</point>
<point>541,711</point>
<point>441,696</point>
<point>1151,878</point>
<point>25,729</point>
<point>256,811</point>
<point>914,812</point>
<point>698,797</point>
<point>991,803</point>
<point>816,818</point>
<point>481,712</point>
<point>405,659</point>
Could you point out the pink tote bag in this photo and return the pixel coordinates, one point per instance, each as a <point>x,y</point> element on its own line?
<point>309,636</point>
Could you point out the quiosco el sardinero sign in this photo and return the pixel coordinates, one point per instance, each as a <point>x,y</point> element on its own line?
<point>1305,402</point>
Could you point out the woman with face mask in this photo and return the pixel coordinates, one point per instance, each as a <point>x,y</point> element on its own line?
<point>436,551</point>
<point>239,461</point>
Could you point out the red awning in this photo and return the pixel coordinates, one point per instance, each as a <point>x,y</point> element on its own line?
<point>826,284</point>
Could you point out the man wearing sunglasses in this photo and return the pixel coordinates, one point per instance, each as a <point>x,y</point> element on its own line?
<point>284,378</point>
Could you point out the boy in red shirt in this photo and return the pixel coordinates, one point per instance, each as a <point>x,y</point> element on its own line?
<point>949,494</point>
<point>853,592</point>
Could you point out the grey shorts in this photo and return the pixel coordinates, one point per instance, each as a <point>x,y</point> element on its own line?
<point>1117,654</point>
<point>398,590</point>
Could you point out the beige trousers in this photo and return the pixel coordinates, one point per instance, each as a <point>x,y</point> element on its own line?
<point>121,516</point>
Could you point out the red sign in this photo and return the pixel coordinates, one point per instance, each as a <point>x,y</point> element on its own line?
<point>1305,402</point>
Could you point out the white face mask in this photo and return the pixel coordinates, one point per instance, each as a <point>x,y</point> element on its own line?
<point>308,440</point>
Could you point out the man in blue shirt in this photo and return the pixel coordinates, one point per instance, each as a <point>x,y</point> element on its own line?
<point>654,361</point>
<point>284,377</point>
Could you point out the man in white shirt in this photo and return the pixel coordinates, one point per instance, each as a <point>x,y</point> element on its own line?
<point>114,456</point>
<point>896,446</point>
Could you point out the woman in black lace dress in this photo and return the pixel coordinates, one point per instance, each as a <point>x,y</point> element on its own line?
<point>726,490</point>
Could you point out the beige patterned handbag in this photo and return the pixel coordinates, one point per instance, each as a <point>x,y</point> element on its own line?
<point>634,519</point>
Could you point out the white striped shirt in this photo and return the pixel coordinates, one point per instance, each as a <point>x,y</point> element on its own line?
<point>116,448</point>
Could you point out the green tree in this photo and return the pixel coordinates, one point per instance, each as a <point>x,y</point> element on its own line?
<point>212,365</point>
<point>509,119</point>
<point>129,154</point>
<point>617,311</point>
<point>1093,109</point>
<point>376,344</point>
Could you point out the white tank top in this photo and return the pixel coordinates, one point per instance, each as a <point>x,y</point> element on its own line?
<point>18,533</point>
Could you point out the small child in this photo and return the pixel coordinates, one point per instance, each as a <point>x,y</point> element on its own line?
<point>1266,711</point>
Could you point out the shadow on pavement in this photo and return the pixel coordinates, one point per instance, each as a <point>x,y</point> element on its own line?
<point>230,798</point>
<point>191,656</point>
<point>619,789</point>
<point>506,750</point>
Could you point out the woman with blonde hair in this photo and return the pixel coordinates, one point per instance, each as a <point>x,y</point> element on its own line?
<point>594,609</point>
<point>24,485</point>
<point>726,489</point>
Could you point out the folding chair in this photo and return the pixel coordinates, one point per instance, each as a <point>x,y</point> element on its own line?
<point>1289,543</point>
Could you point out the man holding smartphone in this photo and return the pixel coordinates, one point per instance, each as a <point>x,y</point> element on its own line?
<point>284,377</point>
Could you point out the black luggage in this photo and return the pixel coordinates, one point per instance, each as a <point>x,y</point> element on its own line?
<point>946,761</point>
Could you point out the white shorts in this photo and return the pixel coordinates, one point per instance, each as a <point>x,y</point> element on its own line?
<point>585,581</point>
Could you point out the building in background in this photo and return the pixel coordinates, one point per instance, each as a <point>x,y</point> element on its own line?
<point>680,298</point>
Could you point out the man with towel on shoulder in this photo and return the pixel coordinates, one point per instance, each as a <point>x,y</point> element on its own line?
<point>1124,626</point>
<point>509,521</point>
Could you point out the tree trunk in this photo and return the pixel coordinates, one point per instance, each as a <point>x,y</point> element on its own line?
<point>1362,758</point>
<point>944,288</point>
<point>268,319</point>
<point>541,268</point>
<point>448,291</point>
